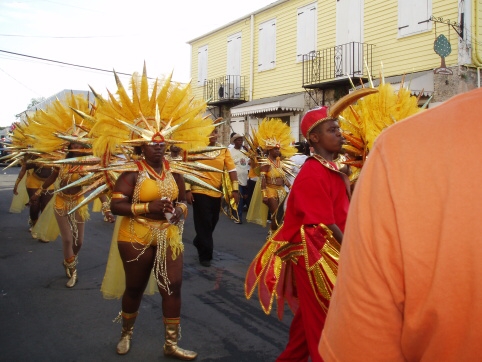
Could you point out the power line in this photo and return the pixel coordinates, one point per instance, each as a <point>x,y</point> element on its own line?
<point>65,37</point>
<point>30,89</point>
<point>64,63</point>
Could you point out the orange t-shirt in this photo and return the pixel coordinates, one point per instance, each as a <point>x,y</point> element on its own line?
<point>409,286</point>
<point>222,160</point>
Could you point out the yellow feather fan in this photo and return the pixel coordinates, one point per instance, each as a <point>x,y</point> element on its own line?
<point>363,122</point>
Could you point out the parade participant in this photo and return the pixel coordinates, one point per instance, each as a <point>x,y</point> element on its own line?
<point>298,159</point>
<point>36,174</point>
<point>71,226</point>
<point>52,128</point>
<point>241,160</point>
<point>306,246</point>
<point>174,153</point>
<point>149,197</point>
<point>206,204</point>
<point>274,138</point>
<point>317,209</point>
<point>19,155</point>
<point>398,264</point>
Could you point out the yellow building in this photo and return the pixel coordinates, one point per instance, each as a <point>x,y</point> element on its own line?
<point>292,55</point>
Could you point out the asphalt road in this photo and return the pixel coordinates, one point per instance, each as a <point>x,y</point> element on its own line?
<point>42,320</point>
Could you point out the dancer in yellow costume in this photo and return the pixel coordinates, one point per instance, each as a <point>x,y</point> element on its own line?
<point>274,140</point>
<point>60,131</point>
<point>149,197</point>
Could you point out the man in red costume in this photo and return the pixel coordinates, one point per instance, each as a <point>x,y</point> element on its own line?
<point>308,242</point>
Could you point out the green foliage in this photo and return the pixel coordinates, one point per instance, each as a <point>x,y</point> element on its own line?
<point>35,101</point>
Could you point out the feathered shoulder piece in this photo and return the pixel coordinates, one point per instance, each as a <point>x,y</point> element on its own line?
<point>362,122</point>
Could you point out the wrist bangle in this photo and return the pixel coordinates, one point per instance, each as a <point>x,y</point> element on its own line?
<point>141,208</point>
<point>183,207</point>
<point>38,192</point>
<point>105,206</point>
<point>235,185</point>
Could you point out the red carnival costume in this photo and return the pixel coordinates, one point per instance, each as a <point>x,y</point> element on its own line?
<point>299,262</point>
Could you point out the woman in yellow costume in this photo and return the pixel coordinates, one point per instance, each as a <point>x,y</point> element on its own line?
<point>59,133</point>
<point>149,196</point>
<point>19,155</point>
<point>276,142</point>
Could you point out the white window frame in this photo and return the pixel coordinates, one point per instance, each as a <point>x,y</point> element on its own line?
<point>306,30</point>
<point>202,63</point>
<point>267,45</point>
<point>413,17</point>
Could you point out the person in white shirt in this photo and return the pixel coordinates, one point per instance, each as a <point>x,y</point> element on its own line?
<point>242,168</point>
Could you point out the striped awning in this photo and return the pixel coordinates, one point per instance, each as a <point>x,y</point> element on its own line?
<point>293,102</point>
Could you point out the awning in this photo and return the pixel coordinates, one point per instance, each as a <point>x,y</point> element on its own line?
<point>293,102</point>
<point>416,82</point>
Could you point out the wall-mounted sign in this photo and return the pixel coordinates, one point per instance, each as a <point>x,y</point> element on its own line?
<point>442,47</point>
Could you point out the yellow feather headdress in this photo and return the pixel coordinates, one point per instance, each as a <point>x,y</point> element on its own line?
<point>164,112</point>
<point>273,132</point>
<point>56,127</point>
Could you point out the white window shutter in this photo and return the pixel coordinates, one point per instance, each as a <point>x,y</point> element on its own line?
<point>267,45</point>
<point>202,62</point>
<point>413,16</point>
<point>306,31</point>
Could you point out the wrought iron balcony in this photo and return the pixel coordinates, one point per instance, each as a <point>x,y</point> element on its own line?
<point>324,67</point>
<point>225,89</point>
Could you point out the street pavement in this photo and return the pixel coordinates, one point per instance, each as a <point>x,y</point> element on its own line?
<point>42,320</point>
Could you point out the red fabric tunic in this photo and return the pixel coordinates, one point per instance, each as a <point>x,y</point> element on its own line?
<point>303,248</point>
<point>318,196</point>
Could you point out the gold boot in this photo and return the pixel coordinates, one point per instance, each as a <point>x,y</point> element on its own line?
<point>71,271</point>
<point>67,271</point>
<point>128,320</point>
<point>173,334</point>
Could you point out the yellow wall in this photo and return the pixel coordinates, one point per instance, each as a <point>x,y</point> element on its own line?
<point>399,55</point>
<point>477,36</point>
<point>217,53</point>
<point>410,53</point>
<point>285,78</point>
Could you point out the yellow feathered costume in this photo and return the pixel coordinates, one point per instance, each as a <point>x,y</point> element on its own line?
<point>363,122</point>
<point>272,132</point>
<point>166,111</point>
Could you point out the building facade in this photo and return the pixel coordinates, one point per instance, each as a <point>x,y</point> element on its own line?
<point>293,55</point>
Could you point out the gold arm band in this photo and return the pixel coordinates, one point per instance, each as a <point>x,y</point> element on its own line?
<point>183,207</point>
<point>235,185</point>
<point>105,206</point>
<point>264,192</point>
<point>141,208</point>
<point>119,195</point>
<point>187,187</point>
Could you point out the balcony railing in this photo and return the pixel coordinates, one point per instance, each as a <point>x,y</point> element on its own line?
<point>224,89</point>
<point>337,62</point>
